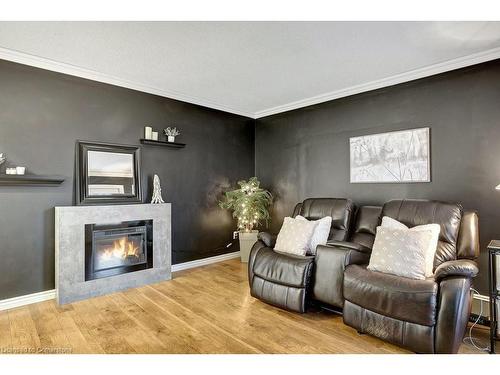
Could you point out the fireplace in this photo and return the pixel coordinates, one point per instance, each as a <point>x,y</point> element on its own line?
<point>114,249</point>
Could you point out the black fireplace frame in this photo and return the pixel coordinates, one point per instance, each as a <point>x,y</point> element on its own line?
<point>91,274</point>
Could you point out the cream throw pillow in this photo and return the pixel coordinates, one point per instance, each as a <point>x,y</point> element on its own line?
<point>320,234</point>
<point>431,247</point>
<point>400,252</point>
<point>295,236</point>
<point>406,252</point>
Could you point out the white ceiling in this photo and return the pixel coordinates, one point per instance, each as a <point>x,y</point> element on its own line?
<point>250,68</point>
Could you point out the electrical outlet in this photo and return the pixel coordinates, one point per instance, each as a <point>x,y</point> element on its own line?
<point>235,235</point>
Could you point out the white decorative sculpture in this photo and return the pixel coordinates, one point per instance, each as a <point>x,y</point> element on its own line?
<point>156,191</point>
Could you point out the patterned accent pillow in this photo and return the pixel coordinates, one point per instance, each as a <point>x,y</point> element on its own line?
<point>400,252</point>
<point>295,236</point>
<point>430,253</point>
<point>320,234</point>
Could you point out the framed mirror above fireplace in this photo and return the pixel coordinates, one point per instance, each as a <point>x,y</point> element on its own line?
<point>107,173</point>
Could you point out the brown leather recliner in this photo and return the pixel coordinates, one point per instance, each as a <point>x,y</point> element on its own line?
<point>425,316</point>
<point>283,280</point>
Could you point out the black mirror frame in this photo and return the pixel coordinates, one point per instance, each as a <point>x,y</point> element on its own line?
<point>81,190</point>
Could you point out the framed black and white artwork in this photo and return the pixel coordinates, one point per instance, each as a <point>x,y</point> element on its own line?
<point>393,157</point>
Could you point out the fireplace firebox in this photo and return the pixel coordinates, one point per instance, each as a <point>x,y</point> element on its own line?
<point>113,249</point>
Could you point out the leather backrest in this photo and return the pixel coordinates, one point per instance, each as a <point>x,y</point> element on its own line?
<point>412,212</point>
<point>468,238</point>
<point>296,210</point>
<point>365,227</point>
<point>340,209</point>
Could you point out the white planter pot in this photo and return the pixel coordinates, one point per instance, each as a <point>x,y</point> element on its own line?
<point>171,138</point>
<point>247,240</point>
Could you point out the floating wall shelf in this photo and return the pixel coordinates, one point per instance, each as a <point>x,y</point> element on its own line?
<point>30,180</point>
<point>162,143</point>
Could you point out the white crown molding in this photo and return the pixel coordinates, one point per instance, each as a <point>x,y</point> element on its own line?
<point>73,70</point>
<point>28,299</point>
<point>411,75</point>
<point>43,63</point>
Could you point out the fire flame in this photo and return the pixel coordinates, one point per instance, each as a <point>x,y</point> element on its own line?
<point>122,248</point>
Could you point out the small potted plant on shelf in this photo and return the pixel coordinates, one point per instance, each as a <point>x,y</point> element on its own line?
<point>171,133</point>
<point>250,205</point>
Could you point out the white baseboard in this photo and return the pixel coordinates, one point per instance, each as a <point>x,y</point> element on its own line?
<point>205,261</point>
<point>476,305</point>
<point>28,299</point>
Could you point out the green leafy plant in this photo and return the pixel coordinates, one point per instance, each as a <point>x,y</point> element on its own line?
<point>249,204</point>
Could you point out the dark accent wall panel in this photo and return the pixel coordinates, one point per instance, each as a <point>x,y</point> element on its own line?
<point>305,153</point>
<point>43,113</point>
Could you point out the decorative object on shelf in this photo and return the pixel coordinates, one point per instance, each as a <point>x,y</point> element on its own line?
<point>171,133</point>
<point>20,170</point>
<point>154,136</point>
<point>11,171</point>
<point>494,289</point>
<point>394,157</point>
<point>250,205</point>
<point>148,132</point>
<point>157,191</point>
<point>107,173</point>
<point>2,158</point>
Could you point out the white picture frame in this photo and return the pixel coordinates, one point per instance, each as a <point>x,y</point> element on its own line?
<point>401,156</point>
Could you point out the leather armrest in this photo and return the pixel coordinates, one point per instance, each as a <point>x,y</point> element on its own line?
<point>349,245</point>
<point>452,314</point>
<point>256,249</point>
<point>268,239</point>
<point>345,256</point>
<point>462,267</point>
<point>331,262</point>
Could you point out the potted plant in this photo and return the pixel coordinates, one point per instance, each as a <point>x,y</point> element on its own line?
<point>171,133</point>
<point>250,204</point>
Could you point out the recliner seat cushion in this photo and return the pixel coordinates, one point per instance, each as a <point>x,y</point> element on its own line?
<point>283,269</point>
<point>398,297</point>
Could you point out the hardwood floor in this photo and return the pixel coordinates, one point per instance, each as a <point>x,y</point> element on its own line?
<point>202,310</point>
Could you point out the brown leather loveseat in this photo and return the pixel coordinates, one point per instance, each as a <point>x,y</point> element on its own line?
<point>426,316</point>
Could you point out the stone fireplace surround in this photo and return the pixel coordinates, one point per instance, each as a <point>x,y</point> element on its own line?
<point>70,249</point>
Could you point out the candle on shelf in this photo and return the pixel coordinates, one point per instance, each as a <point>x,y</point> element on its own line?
<point>154,136</point>
<point>20,170</point>
<point>148,132</point>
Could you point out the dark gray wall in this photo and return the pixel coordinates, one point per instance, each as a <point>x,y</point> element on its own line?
<point>305,152</point>
<point>43,113</point>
